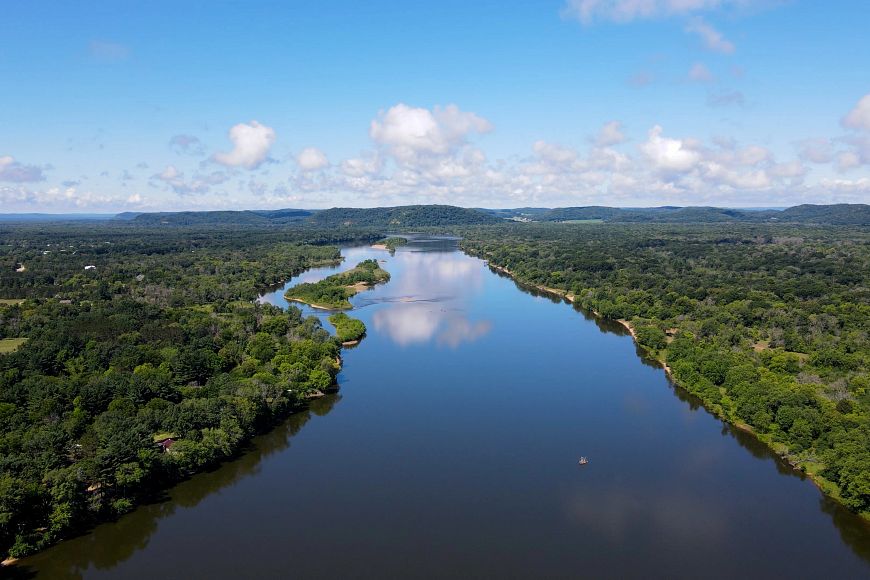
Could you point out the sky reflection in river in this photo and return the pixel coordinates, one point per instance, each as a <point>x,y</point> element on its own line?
<point>430,301</point>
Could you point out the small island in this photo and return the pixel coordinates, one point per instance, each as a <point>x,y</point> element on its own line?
<point>334,292</point>
<point>390,243</point>
<point>348,330</point>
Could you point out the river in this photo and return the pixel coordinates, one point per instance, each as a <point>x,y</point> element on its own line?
<point>451,450</point>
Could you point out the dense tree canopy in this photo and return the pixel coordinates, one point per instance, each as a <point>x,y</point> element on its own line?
<point>146,359</point>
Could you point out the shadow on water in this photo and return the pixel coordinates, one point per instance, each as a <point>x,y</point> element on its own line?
<point>852,528</point>
<point>111,543</point>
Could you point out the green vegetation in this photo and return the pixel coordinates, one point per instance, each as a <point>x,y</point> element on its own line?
<point>160,342</point>
<point>411,216</point>
<point>334,292</point>
<point>767,324</point>
<point>10,301</point>
<point>347,329</point>
<point>422,216</point>
<point>393,242</point>
<point>199,218</point>
<point>839,214</point>
<point>8,345</point>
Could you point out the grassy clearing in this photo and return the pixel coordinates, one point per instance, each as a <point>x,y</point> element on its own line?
<point>8,345</point>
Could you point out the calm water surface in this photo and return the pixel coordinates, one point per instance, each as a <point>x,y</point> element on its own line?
<point>451,451</point>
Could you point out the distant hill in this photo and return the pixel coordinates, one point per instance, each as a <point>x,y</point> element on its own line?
<point>415,216</point>
<point>840,214</point>
<point>284,215</point>
<point>408,216</point>
<point>196,218</point>
<point>54,217</point>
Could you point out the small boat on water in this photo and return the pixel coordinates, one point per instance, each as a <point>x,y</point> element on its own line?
<point>583,461</point>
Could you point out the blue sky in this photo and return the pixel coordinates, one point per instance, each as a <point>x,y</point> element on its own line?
<point>110,106</point>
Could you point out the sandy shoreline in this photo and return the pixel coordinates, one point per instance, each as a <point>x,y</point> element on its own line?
<point>312,305</point>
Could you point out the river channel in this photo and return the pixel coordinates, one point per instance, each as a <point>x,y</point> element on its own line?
<point>451,450</point>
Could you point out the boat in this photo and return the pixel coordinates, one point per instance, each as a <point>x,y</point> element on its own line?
<point>583,461</point>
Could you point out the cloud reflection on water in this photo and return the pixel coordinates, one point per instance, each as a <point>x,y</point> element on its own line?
<point>424,304</point>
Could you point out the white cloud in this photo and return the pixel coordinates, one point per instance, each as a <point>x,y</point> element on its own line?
<point>816,150</point>
<point>668,154</point>
<point>859,116</point>
<point>699,73</point>
<point>199,184</point>
<point>251,144</point>
<point>21,198</point>
<point>410,133</point>
<point>168,174</point>
<point>610,134</point>
<point>555,154</point>
<point>362,166</point>
<point>712,38</point>
<point>13,171</point>
<point>588,11</point>
<point>311,159</point>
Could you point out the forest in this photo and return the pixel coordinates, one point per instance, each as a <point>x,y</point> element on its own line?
<point>135,358</point>
<point>766,324</point>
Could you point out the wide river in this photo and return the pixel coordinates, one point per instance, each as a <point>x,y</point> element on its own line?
<point>452,450</point>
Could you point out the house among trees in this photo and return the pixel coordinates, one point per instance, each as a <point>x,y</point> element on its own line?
<point>165,440</point>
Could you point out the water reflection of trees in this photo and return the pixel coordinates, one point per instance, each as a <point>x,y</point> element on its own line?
<point>109,544</point>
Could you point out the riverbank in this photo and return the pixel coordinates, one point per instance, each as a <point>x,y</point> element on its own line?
<point>804,468</point>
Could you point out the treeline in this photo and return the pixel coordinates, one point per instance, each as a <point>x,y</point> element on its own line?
<point>766,324</point>
<point>836,214</point>
<point>147,367</point>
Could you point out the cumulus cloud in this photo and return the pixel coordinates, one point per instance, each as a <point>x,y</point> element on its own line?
<point>712,38</point>
<point>816,150</point>
<point>13,171</point>
<point>668,154</point>
<point>859,116</point>
<point>189,144</point>
<point>410,133</point>
<point>699,73</point>
<point>856,152</point>
<point>311,159</point>
<point>251,144</point>
<point>610,134</point>
<point>22,198</point>
<point>172,177</point>
<point>362,166</point>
